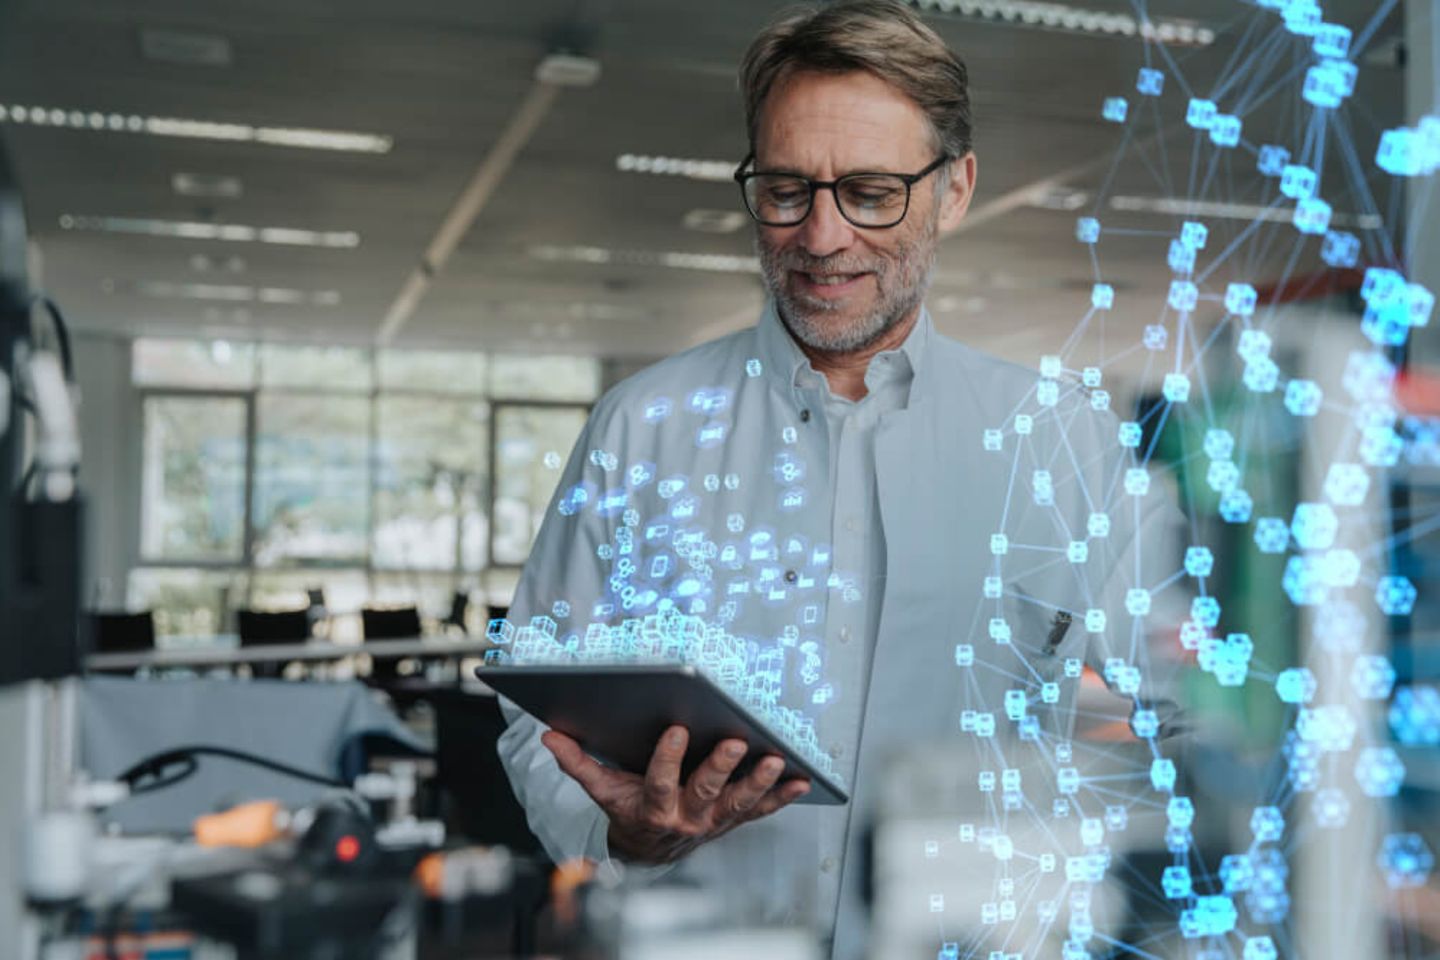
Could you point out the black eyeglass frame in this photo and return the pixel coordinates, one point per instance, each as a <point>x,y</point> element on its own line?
<point>909,179</point>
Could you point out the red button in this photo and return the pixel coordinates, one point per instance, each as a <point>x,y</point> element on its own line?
<point>347,848</point>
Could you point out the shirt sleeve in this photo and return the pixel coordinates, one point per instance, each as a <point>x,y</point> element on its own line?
<point>564,565</point>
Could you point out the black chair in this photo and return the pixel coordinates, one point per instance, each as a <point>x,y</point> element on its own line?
<point>459,606</point>
<point>116,632</point>
<point>388,623</point>
<point>259,628</point>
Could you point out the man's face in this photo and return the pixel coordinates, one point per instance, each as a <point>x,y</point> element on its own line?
<point>839,287</point>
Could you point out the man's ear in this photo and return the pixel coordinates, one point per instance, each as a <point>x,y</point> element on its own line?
<point>958,191</point>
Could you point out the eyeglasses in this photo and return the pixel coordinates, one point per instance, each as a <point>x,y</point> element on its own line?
<point>875,201</point>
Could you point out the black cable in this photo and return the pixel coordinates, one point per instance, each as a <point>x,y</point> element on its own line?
<point>186,757</point>
<point>62,336</point>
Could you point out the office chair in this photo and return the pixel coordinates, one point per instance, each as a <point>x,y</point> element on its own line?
<point>121,632</point>
<point>388,623</point>
<point>260,628</point>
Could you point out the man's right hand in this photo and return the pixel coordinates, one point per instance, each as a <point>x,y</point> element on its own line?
<point>654,819</point>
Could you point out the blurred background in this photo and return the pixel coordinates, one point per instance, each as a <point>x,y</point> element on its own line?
<point>343,282</point>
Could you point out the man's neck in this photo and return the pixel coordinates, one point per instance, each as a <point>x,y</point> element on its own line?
<point>845,372</point>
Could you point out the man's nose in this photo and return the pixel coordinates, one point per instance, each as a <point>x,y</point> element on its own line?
<point>825,231</point>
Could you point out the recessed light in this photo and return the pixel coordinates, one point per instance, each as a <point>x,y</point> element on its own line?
<point>298,137</point>
<point>185,48</point>
<point>194,230</point>
<point>715,221</point>
<point>226,293</point>
<point>720,171</point>
<point>207,185</point>
<point>680,260</point>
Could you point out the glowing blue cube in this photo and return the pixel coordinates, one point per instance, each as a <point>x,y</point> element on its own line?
<point>1379,772</point>
<point>1014,704</point>
<point>1295,685</point>
<point>1222,476</point>
<point>1219,444</point>
<point>1137,481</point>
<point>1181,257</point>
<point>1302,17</point>
<point>1380,447</point>
<point>1405,860</point>
<point>1420,303</point>
<point>1087,230</point>
<point>1115,109</point>
<point>1130,434</point>
<point>1077,551</point>
<point>1272,535</point>
<point>1205,611</point>
<point>1100,400</point>
<point>1201,114</point>
<point>1302,398</point>
<point>1332,40</point>
<point>1236,506</point>
<point>1312,216</point>
<point>1323,86</point>
<point>1303,581</point>
<point>1145,724</point>
<point>1183,295</point>
<point>1095,620</point>
<point>1155,337</point>
<point>1091,377</point>
<point>1314,525</point>
<point>1262,375</point>
<point>1176,387</point>
<point>752,367</point>
<point>1102,296</point>
<point>1194,235</point>
<point>1298,182</point>
<point>1259,948</point>
<point>1225,130</point>
<point>1098,525</point>
<point>1372,677</point>
<point>1340,568</point>
<point>1240,299</point>
<point>1162,774</point>
<point>1199,561</point>
<point>1401,153</point>
<point>1382,285</point>
<point>1176,882</point>
<point>1180,812</point>
<point>1395,596</point>
<point>1150,82</point>
<point>994,440</point>
<point>999,544</point>
<point>1340,249</point>
<point>1137,601</point>
<point>1236,873</point>
<point>1273,160</point>
<point>1212,916</point>
<point>1415,716</point>
<point>964,655</point>
<point>1331,809</point>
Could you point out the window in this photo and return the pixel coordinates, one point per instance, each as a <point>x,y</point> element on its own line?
<point>531,443</point>
<point>312,479</point>
<point>192,501</point>
<point>273,468</point>
<point>431,483</point>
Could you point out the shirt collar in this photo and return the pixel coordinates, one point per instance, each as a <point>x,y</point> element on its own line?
<point>786,362</point>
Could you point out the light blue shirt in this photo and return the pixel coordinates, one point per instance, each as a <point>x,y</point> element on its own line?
<point>880,514</point>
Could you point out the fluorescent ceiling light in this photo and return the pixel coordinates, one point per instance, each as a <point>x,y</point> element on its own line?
<point>186,48</point>
<point>1073,19</point>
<point>299,137</point>
<point>207,185</point>
<point>1180,207</point>
<point>232,232</point>
<point>720,171</point>
<point>228,293</point>
<point>679,260</point>
<point>715,221</point>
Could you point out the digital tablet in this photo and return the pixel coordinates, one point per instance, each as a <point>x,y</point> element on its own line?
<point>618,712</point>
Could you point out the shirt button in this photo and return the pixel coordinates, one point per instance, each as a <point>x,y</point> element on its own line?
<point>844,634</point>
<point>805,415</point>
<point>827,865</point>
<point>791,576</point>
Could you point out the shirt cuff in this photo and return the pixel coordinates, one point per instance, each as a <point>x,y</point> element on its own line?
<point>608,868</point>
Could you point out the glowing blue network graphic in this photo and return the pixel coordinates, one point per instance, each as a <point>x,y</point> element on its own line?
<point>1088,561</point>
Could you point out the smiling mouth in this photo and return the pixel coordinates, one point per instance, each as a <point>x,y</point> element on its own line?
<point>828,279</point>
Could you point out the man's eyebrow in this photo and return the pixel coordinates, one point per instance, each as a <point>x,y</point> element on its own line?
<point>791,171</point>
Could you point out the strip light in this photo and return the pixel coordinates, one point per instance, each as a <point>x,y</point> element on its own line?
<point>230,293</point>
<point>231,232</point>
<point>1069,19</point>
<point>298,137</point>
<point>720,171</point>
<point>711,262</point>
<point>1178,207</point>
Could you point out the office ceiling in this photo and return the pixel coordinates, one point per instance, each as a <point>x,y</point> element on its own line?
<point>571,253</point>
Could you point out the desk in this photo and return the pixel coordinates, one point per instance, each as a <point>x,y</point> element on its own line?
<point>225,650</point>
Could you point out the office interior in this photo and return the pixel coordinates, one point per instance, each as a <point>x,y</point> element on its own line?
<point>341,285</point>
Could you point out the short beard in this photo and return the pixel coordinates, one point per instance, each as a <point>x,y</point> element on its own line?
<point>900,279</point>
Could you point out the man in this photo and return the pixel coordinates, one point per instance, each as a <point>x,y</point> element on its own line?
<point>828,471</point>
